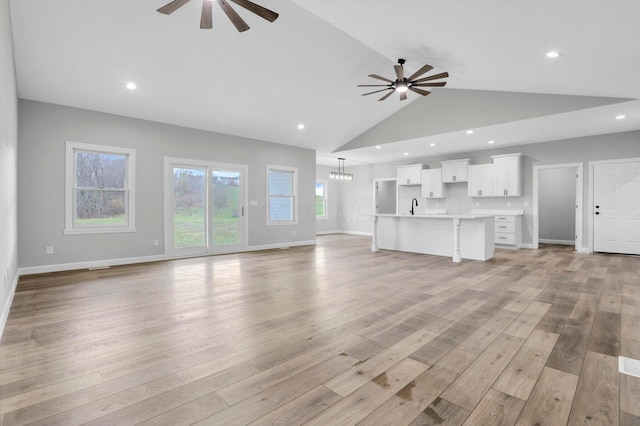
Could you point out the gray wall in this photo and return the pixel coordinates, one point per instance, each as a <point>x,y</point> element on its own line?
<point>357,199</point>
<point>556,204</point>
<point>8,165</point>
<point>44,131</point>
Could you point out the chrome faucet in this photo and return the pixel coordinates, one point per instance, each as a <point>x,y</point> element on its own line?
<point>412,201</point>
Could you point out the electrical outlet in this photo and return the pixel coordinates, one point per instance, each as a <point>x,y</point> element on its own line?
<point>508,203</point>
<point>294,232</point>
<point>525,204</point>
<point>156,242</point>
<point>49,249</point>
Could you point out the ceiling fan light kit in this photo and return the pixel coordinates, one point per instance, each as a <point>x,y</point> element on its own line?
<point>206,17</point>
<point>403,84</point>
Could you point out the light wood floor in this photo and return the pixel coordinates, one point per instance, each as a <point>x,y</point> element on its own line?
<point>328,335</point>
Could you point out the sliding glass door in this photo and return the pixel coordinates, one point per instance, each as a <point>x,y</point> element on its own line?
<point>205,207</point>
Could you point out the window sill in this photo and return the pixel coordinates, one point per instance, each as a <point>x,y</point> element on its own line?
<point>289,222</point>
<point>98,231</point>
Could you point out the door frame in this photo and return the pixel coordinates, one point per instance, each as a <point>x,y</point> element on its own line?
<point>579,202</point>
<point>168,208</point>
<point>591,188</point>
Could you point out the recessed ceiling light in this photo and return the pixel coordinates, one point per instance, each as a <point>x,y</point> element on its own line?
<point>406,153</point>
<point>433,144</point>
<point>491,142</point>
<point>378,147</point>
<point>552,54</point>
<point>131,85</point>
<point>621,117</point>
<point>300,126</point>
<point>469,132</point>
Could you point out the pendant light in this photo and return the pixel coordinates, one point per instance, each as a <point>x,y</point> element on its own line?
<point>341,174</point>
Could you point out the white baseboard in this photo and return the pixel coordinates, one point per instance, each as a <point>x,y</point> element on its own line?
<point>583,250</point>
<point>7,306</point>
<point>281,245</point>
<point>562,242</point>
<point>336,231</point>
<point>527,246</point>
<point>91,264</point>
<point>364,234</point>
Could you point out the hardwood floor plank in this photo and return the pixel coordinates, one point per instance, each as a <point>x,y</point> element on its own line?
<point>597,400</point>
<point>359,375</point>
<point>520,376</point>
<point>189,413</point>
<point>357,405</point>
<point>571,347</point>
<point>551,399</point>
<point>468,389</point>
<point>441,412</point>
<point>496,408</point>
<point>412,400</point>
<point>262,403</point>
<point>112,403</point>
<point>480,339</point>
<point>300,409</point>
<point>605,334</point>
<point>524,324</point>
<point>630,394</point>
<point>21,400</point>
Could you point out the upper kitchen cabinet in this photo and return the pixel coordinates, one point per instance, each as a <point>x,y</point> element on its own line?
<point>507,172</point>
<point>410,174</point>
<point>432,186</point>
<point>455,170</point>
<point>480,180</point>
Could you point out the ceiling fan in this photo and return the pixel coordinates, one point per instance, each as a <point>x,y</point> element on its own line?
<point>206,19</point>
<point>402,83</point>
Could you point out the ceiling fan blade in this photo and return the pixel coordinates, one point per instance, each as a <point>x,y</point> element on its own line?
<point>433,77</point>
<point>420,91</point>
<point>373,85</point>
<point>206,19</point>
<point>171,7</point>
<point>380,78</point>
<point>386,96</point>
<point>263,12</point>
<point>403,96</point>
<point>421,71</point>
<point>438,84</point>
<point>376,91</point>
<point>239,23</point>
<point>399,71</point>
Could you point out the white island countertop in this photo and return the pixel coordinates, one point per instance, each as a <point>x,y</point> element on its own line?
<point>466,235</point>
<point>438,215</point>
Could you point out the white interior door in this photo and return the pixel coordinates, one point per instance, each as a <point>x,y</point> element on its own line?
<point>616,207</point>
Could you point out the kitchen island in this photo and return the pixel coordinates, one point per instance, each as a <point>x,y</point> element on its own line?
<point>460,236</point>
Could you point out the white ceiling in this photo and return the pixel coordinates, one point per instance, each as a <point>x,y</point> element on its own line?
<point>304,67</point>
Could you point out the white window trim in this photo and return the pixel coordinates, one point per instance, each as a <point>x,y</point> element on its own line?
<point>326,199</point>
<point>70,181</point>
<point>295,195</point>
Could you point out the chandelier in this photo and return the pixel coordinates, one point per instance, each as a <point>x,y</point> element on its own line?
<point>340,174</point>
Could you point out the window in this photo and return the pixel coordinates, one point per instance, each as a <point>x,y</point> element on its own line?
<point>282,188</point>
<point>321,199</point>
<point>99,189</point>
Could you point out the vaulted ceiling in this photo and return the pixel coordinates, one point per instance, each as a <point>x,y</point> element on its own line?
<point>304,68</point>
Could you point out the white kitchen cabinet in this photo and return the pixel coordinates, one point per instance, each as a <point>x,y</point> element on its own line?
<point>432,186</point>
<point>507,227</point>
<point>455,170</point>
<point>508,230</point>
<point>410,174</point>
<point>507,175</point>
<point>480,180</point>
